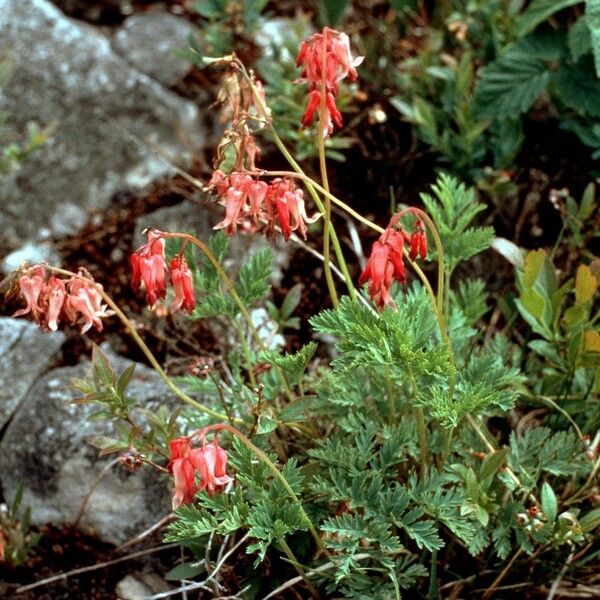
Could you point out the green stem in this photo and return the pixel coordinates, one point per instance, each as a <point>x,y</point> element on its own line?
<point>236,298</point>
<point>294,561</point>
<point>422,432</point>
<point>147,352</point>
<point>228,283</point>
<point>433,592</point>
<point>272,467</point>
<point>300,173</point>
<point>321,132</point>
<point>390,394</point>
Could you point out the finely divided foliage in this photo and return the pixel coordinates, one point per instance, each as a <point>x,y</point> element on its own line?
<point>366,462</point>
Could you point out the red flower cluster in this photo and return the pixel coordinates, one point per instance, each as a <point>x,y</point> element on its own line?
<point>150,268</point>
<point>209,461</point>
<point>326,59</point>
<point>249,201</point>
<point>51,300</point>
<point>386,263</point>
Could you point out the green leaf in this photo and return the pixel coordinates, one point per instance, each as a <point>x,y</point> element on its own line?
<point>103,443</point>
<point>592,19</point>
<point>585,284</point>
<point>291,301</point>
<point>590,521</point>
<point>333,10</point>
<point>511,84</point>
<point>537,12</point>
<point>549,502</point>
<point>103,373</point>
<point>492,463</point>
<point>266,424</point>
<point>253,280</point>
<point>185,571</point>
<point>453,209</point>
<point>294,410</point>
<point>124,379</point>
<point>578,88</point>
<point>579,39</point>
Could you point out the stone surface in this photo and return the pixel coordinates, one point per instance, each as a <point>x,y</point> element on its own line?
<point>148,41</point>
<point>107,115</point>
<point>25,353</point>
<point>45,447</point>
<point>31,252</point>
<point>140,586</point>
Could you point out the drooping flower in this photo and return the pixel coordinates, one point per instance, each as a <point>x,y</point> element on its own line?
<point>326,59</point>
<point>183,471</point>
<point>31,288</point>
<point>77,300</point>
<point>249,201</point>
<point>210,461</point>
<point>385,265</point>
<point>52,299</point>
<point>418,242</point>
<point>183,285</point>
<point>84,305</point>
<point>149,266</point>
<point>284,203</point>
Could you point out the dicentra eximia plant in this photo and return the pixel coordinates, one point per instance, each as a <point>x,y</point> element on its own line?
<point>383,458</point>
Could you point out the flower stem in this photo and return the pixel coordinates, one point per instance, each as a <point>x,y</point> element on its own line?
<point>321,132</point>
<point>236,298</point>
<point>144,348</point>
<point>294,561</point>
<point>310,184</point>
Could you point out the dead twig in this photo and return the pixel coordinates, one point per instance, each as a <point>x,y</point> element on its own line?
<point>81,570</point>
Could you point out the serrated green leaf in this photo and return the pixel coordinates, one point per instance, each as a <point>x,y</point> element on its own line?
<point>579,39</point>
<point>511,84</point>
<point>578,88</point>
<point>537,12</point>
<point>592,20</point>
<point>253,279</point>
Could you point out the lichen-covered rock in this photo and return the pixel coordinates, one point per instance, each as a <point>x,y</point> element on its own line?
<point>45,447</point>
<point>149,40</point>
<point>25,353</point>
<point>109,118</point>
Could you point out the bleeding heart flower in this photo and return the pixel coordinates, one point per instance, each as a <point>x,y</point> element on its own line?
<point>183,285</point>
<point>149,266</point>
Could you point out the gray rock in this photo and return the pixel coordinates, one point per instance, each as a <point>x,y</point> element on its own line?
<point>68,219</point>
<point>148,42</point>
<point>32,252</point>
<point>109,118</point>
<point>45,447</point>
<point>140,586</point>
<point>25,353</point>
